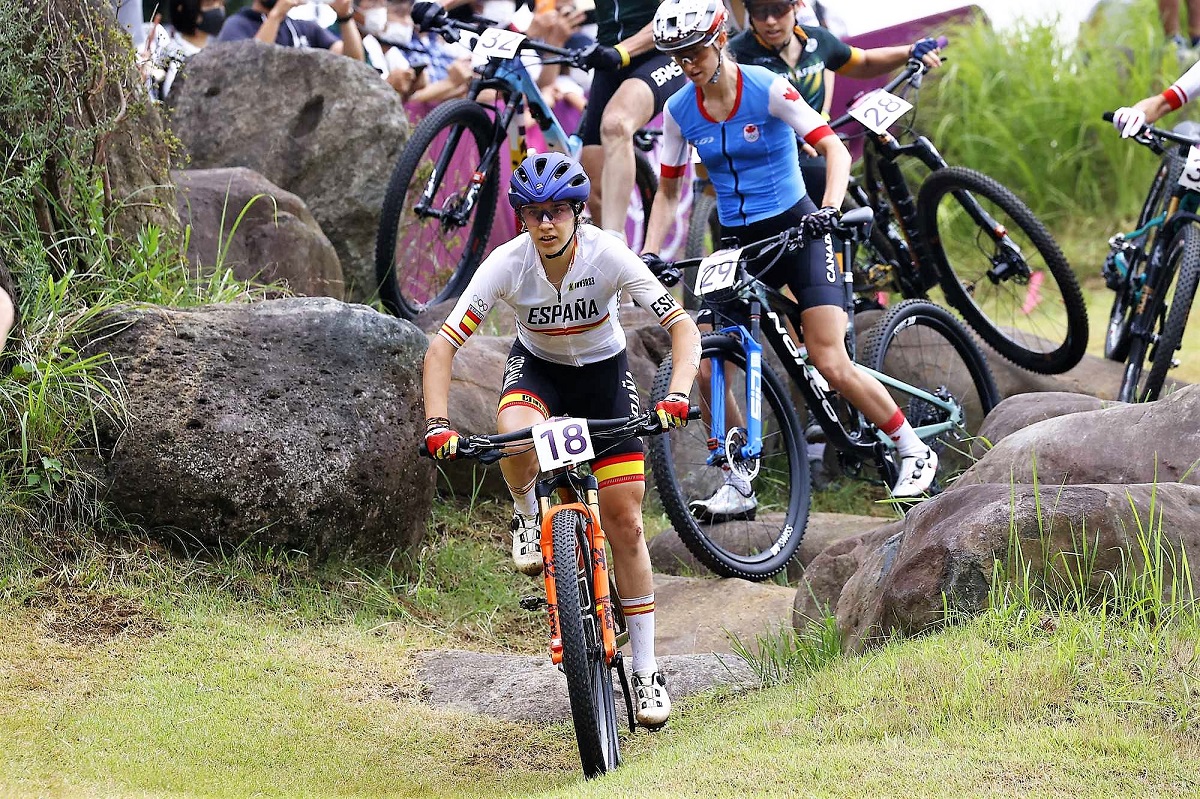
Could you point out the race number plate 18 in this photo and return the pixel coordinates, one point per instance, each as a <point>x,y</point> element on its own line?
<point>878,110</point>
<point>497,43</point>
<point>562,442</point>
<point>717,271</point>
<point>1190,177</point>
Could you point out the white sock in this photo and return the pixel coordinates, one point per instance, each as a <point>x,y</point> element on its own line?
<point>526,504</point>
<point>639,616</point>
<point>907,443</point>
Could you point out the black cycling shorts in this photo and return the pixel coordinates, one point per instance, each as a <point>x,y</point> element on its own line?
<point>657,70</point>
<point>601,390</point>
<point>812,272</point>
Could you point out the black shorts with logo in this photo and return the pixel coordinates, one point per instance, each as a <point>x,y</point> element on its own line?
<point>657,70</point>
<point>601,390</point>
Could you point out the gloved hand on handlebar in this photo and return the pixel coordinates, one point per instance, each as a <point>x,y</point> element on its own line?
<point>597,56</point>
<point>427,14</point>
<point>672,410</point>
<point>1128,121</point>
<point>923,47</point>
<point>662,270</point>
<point>440,439</point>
<point>820,222</point>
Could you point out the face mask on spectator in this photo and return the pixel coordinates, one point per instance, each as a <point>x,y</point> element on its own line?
<point>398,31</point>
<point>211,21</point>
<point>375,20</point>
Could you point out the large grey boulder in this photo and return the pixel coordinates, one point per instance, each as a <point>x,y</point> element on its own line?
<point>1020,411</point>
<point>900,578</point>
<point>289,423</point>
<point>1119,444</point>
<point>243,222</point>
<point>322,126</point>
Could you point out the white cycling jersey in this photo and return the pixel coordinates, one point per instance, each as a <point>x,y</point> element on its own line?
<point>575,324</point>
<point>1185,89</point>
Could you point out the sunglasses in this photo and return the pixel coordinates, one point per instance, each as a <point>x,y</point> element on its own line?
<point>690,55</point>
<point>557,214</point>
<point>762,12</point>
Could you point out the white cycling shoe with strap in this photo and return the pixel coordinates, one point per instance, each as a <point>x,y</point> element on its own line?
<point>916,474</point>
<point>527,544</point>
<point>651,703</point>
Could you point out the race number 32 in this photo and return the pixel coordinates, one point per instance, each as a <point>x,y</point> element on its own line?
<point>562,442</point>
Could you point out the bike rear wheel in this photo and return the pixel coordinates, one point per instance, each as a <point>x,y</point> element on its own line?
<point>749,545</point>
<point>589,679</point>
<point>923,345</point>
<point>427,254</point>
<point>1116,338</point>
<point>1163,320</point>
<point>1024,302</point>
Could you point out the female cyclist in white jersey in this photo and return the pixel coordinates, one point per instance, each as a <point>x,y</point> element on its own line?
<point>565,282</point>
<point>1130,120</point>
<point>743,122</point>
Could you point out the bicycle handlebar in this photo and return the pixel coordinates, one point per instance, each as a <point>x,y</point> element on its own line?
<point>490,448</point>
<point>853,224</point>
<point>913,71</point>
<point>450,27</point>
<point>1152,137</point>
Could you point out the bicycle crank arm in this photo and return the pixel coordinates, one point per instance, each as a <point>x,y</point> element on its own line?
<point>619,663</point>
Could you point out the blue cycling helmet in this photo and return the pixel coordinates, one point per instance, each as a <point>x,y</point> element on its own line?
<point>545,177</point>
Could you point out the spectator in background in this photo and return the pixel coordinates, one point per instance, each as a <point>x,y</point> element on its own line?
<point>194,23</point>
<point>1168,12</point>
<point>268,21</point>
<point>386,53</point>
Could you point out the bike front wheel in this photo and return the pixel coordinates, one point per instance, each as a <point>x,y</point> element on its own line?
<point>1002,270</point>
<point>702,490</point>
<point>589,678</point>
<point>925,347</point>
<point>1163,320</point>
<point>436,216</point>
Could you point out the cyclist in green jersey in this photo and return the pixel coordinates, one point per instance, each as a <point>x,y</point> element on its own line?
<point>805,54</point>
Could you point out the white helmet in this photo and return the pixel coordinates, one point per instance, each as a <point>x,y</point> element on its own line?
<point>680,24</point>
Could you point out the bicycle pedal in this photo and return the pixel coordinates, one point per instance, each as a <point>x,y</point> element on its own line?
<point>533,602</point>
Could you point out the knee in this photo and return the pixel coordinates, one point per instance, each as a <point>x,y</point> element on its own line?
<point>834,365</point>
<point>616,127</point>
<point>624,526</point>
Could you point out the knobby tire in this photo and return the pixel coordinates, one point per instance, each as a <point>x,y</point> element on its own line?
<point>680,473</point>
<point>416,278</point>
<point>589,679</point>
<point>1015,333</point>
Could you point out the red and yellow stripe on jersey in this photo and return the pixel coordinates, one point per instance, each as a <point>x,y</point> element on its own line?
<point>626,468</point>
<point>567,331</point>
<point>459,332</point>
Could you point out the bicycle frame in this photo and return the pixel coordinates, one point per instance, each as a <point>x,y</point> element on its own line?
<point>583,493</point>
<point>858,439</point>
<point>884,178</point>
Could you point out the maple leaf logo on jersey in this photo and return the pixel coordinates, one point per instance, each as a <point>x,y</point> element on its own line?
<point>750,133</point>
<point>791,94</point>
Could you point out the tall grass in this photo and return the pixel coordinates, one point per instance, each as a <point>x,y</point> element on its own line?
<point>1025,108</point>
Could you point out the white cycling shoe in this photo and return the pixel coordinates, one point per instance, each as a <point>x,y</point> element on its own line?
<point>916,474</point>
<point>651,703</point>
<point>727,504</point>
<point>527,544</point>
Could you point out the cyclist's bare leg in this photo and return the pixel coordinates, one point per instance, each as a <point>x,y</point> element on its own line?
<point>591,158</point>
<point>520,470</point>
<point>621,516</point>
<point>630,108</point>
<point>825,337</point>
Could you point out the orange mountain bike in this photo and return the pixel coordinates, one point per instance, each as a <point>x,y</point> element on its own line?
<point>587,628</point>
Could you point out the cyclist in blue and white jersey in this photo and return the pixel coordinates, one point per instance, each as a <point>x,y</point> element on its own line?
<point>1130,120</point>
<point>744,122</point>
<point>565,282</point>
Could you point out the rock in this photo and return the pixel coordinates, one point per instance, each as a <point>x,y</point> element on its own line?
<point>669,555</point>
<point>1155,441</point>
<point>288,423</point>
<point>1093,375</point>
<point>899,578</point>
<point>699,616</point>
<point>1020,411</point>
<point>328,130</point>
<point>277,240</point>
<point>528,688</point>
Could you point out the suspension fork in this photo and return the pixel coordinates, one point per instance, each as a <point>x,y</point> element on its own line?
<point>719,426</point>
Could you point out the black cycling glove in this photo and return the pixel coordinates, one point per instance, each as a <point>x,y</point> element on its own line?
<point>597,56</point>
<point>820,222</point>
